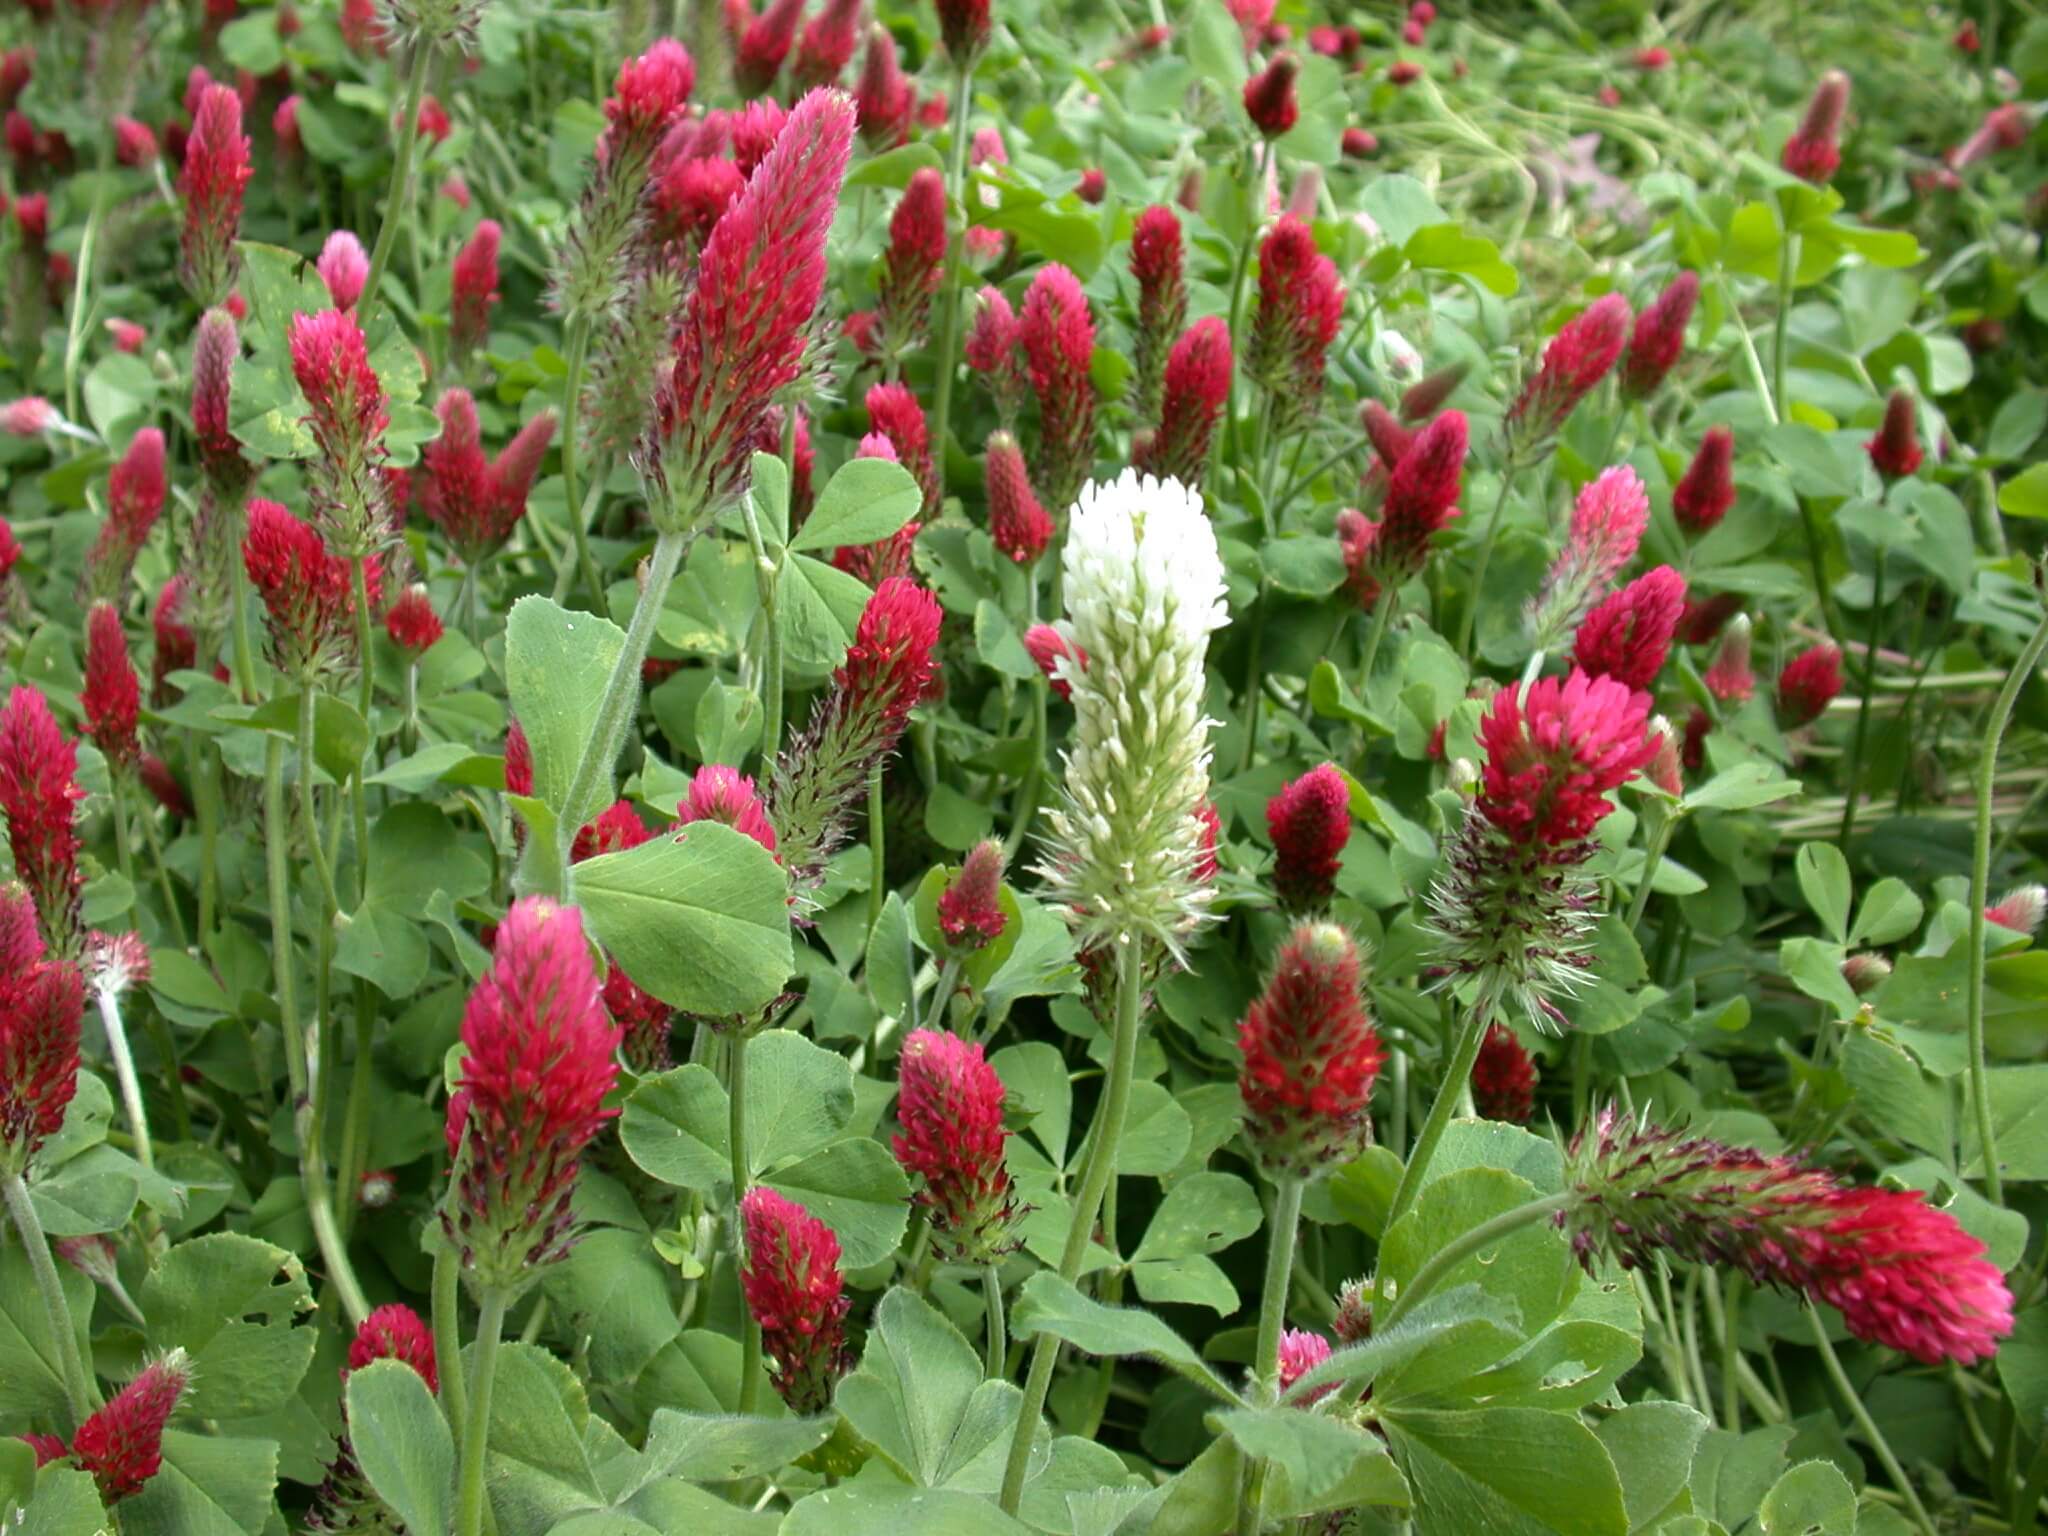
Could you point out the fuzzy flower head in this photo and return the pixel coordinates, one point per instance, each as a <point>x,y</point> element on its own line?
<point>1056,333</point>
<point>1706,490</point>
<point>136,491</point>
<point>538,1059</point>
<point>1503,1078</point>
<point>1020,526</point>
<point>306,589</point>
<point>1729,676</point>
<point>1057,657</point>
<point>215,349</point>
<point>476,501</point>
<point>1156,266</point>
<point>764,44</point>
<point>41,1000</point>
<point>216,169</point>
<point>1902,1273</point>
<point>40,793</point>
<point>473,289</point>
<point>1311,1056</point>
<point>1896,448</point>
<point>1300,304</point>
<point>344,266</point>
<point>1808,685</point>
<point>828,42</point>
<point>793,1288</point>
<point>122,1444</point>
<point>1310,821</point>
<point>912,264</point>
<point>1195,389</point>
<point>1659,338</point>
<point>964,25</point>
<point>649,94</point>
<point>1270,98</point>
<point>894,412</point>
<point>1814,151</point>
<point>347,415</point>
<point>722,794</point>
<point>950,1107</point>
<point>970,908</point>
<point>882,98</point>
<point>743,335</point>
<point>1555,750</point>
<point>1628,635</point>
<point>412,624</point>
<point>1607,526</point>
<point>1421,500</point>
<point>112,697</point>
<point>395,1332</point>
<point>991,350</point>
<point>1300,1353</point>
<point>2020,909</point>
<point>1577,358</point>
<point>1144,589</point>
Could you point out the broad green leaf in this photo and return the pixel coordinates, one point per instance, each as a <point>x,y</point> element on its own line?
<point>1048,1304</point>
<point>871,1508</point>
<point>1532,1267</point>
<point>614,1291</point>
<point>1490,1471</point>
<point>1824,880</point>
<point>2026,494</point>
<point>66,1503</point>
<point>1401,206</point>
<point>1201,1214</point>
<point>414,854</point>
<point>894,167</point>
<point>402,1443</point>
<point>698,917</point>
<point>232,1303</point>
<point>913,1394</point>
<point>818,607</point>
<point>557,665</point>
<point>1889,911</point>
<point>855,1187</point>
<point>1313,1451</point>
<point>206,1487</point>
<point>1652,1444</point>
<point>867,500</point>
<point>1813,1499</point>
<point>29,1362</point>
<point>716,1448</point>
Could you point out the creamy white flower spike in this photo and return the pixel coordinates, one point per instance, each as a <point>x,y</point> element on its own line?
<point>1144,590</point>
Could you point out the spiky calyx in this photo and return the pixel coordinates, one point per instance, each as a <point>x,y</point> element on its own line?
<point>216,169</point>
<point>1608,521</point>
<point>1156,263</point>
<point>1300,305</point>
<point>1577,358</point>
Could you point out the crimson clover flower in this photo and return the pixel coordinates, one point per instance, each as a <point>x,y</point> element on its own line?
<point>793,1288</point>
<point>1310,822</point>
<point>950,1107</point>
<point>1311,1057</point>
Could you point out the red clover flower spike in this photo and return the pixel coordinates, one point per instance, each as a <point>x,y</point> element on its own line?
<point>1902,1273</point>
<point>793,1288</point>
<point>965,26</point>
<point>744,331</point>
<point>1706,490</point>
<point>331,362</point>
<point>1017,522</point>
<point>538,1060</point>
<point>1156,265</point>
<point>1310,822</point>
<point>122,1444</point>
<point>1659,338</point>
<point>951,1109</point>
<point>473,289</point>
<point>1808,685</point>
<point>306,589</point>
<point>112,698</point>
<point>216,169</point>
<point>1814,151</point>
<point>1270,98</point>
<point>1196,388</point>
<point>1421,501</point>
<point>137,488</point>
<point>1300,305</point>
<point>1608,521</point>
<point>1628,635</point>
<point>42,998</point>
<point>1896,448</point>
<point>1311,1057</point>
<point>1503,1078</point>
<point>1057,334</point>
<point>40,793</point>
<point>1577,358</point>
<point>970,908</point>
<point>913,263</point>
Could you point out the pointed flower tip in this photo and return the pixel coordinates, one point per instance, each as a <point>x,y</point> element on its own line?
<point>970,909</point>
<point>1310,822</point>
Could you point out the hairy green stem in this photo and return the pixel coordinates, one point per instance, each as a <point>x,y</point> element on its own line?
<point>1457,1073</point>
<point>1761,384</point>
<point>398,195</point>
<point>997,1352</point>
<point>767,579</point>
<point>79,1392</point>
<point>878,880</point>
<point>942,993</point>
<point>1864,1422</point>
<point>622,689</point>
<point>1980,880</point>
<point>476,1431</point>
<point>1788,276</point>
<point>1095,1180</point>
<point>736,1138</point>
<point>124,1074</point>
<point>1653,855</point>
<point>1382,616</point>
<point>1852,785</point>
<point>948,357</point>
<point>1285,1223</point>
<point>447,1301</point>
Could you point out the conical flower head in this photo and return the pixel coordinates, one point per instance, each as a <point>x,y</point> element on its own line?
<point>347,414</point>
<point>412,624</point>
<point>913,262</point>
<point>1426,396</point>
<point>1144,588</point>
<point>395,1332</point>
<point>828,42</point>
<point>454,481</point>
<point>970,908</point>
<point>306,590</point>
<point>1270,99</point>
<point>1608,520</point>
<point>1555,750</point>
<point>743,333</point>
<point>650,93</point>
<point>883,98</point>
<point>950,1106</point>
<point>1577,358</point>
<point>112,697</point>
<point>216,169</point>
<point>992,350</point>
<point>215,350</point>
<point>1310,822</point>
<point>1901,1273</point>
<point>1706,490</point>
<point>1628,635</point>
<point>1195,389</point>
<point>1814,152</point>
<point>1301,303</point>
<point>1057,657</point>
<point>136,491</point>
<point>1503,1078</point>
<point>1019,525</point>
<point>1896,448</point>
<point>1156,263</point>
<point>2020,909</point>
<point>176,646</point>
<point>344,266</point>
<point>794,1290</point>
<point>473,289</point>
<point>1056,332</point>
<point>1659,338</point>
<point>1421,500</point>
<point>964,26</point>
<point>1808,685</point>
<point>41,1001</point>
<point>1311,1056</point>
<point>538,1059</point>
<point>39,792</point>
<point>765,44</point>
<point>122,1444</point>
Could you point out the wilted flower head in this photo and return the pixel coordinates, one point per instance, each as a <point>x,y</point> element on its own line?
<point>1628,634</point>
<point>796,1294</point>
<point>344,266</point>
<point>1019,525</point>
<point>1814,152</point>
<point>1311,1056</point>
<point>1808,685</point>
<point>112,697</point>
<point>1706,491</point>
<point>121,1445</point>
<point>537,1062</point>
<point>1270,99</point>
<point>1300,305</point>
<point>1896,448</point>
<point>743,333</point>
<point>1310,822</point>
<point>1057,335</point>
<point>1659,337</point>
<point>1608,520</point>
<point>39,792</point>
<point>216,170</point>
<point>136,490</point>
<point>1144,588</point>
<point>1196,388</point>
<point>2020,909</point>
<point>722,794</point>
<point>1901,1273</point>
<point>950,1106</point>
<point>1577,358</point>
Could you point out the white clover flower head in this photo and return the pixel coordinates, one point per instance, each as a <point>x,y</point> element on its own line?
<point>1396,357</point>
<point>1144,590</point>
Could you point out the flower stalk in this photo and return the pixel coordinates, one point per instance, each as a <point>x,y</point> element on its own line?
<point>949,287</point>
<point>1285,1222</point>
<point>476,1428</point>
<point>79,1393</point>
<point>124,1073</point>
<point>398,195</point>
<point>736,1141</point>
